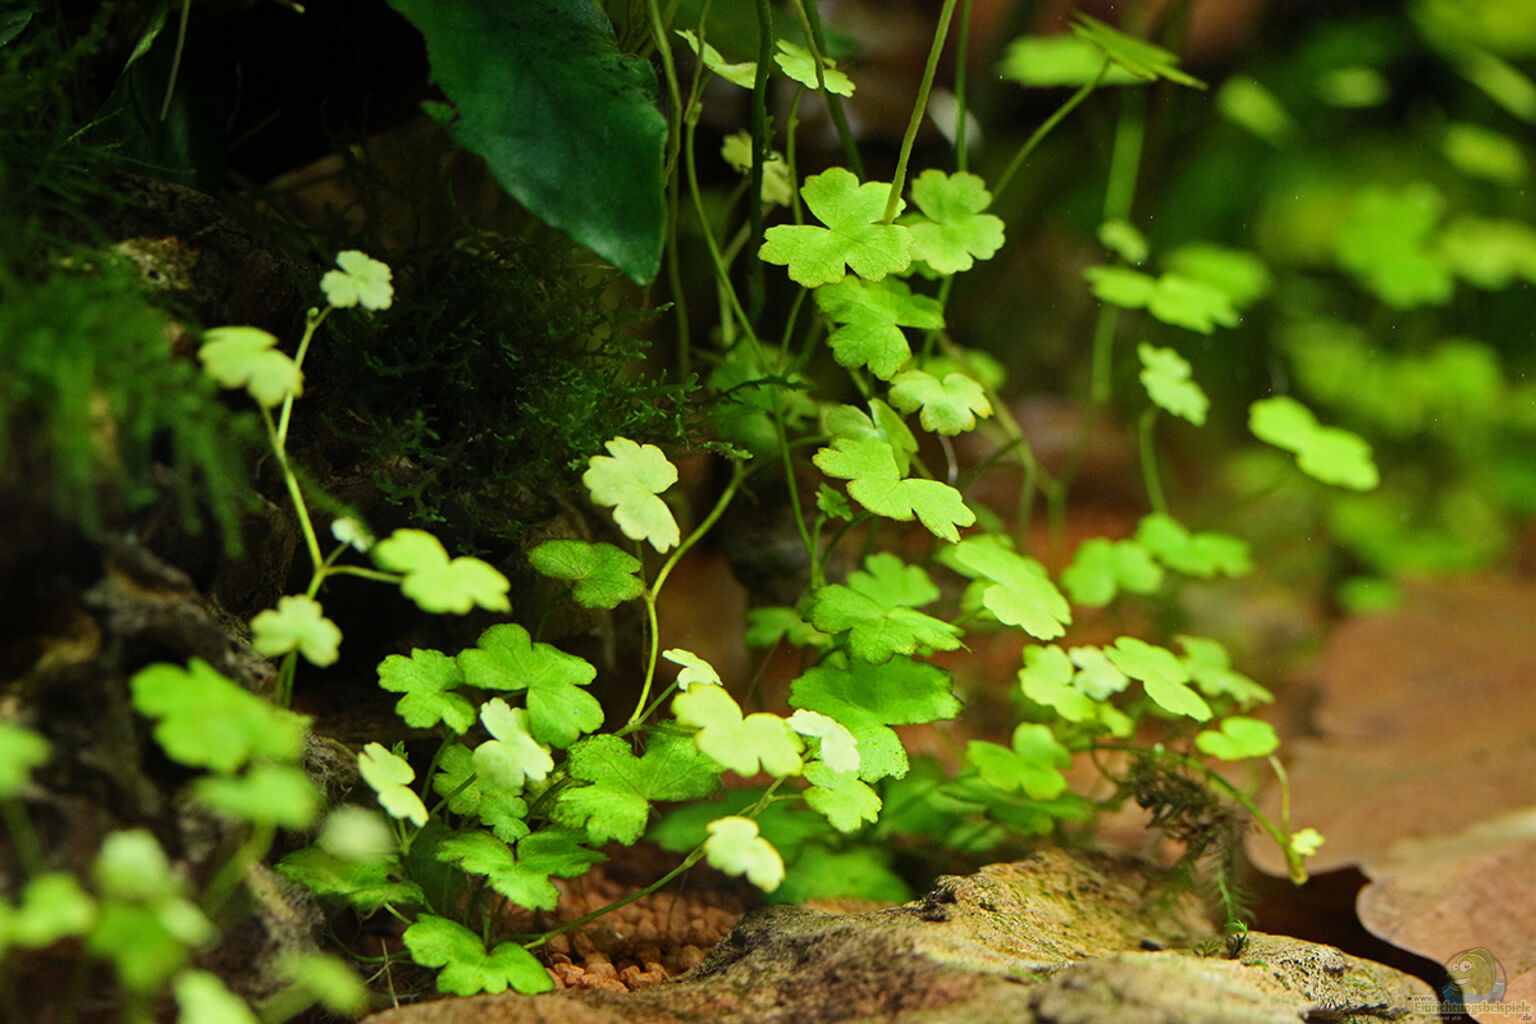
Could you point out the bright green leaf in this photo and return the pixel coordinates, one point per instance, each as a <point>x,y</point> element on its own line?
<point>513,756</point>
<point>1484,153</point>
<point>1237,273</point>
<point>434,582</point>
<point>868,698</point>
<point>1194,554</point>
<point>874,482</point>
<point>601,575</point>
<point>1491,254</point>
<point>1020,594</point>
<point>743,74</point>
<point>387,773</point>
<point>798,63</point>
<point>327,980</point>
<point>629,478</point>
<point>1385,243</point>
<point>617,804</point>
<point>1096,674</point>
<point>1137,56</point>
<point>298,623</point>
<point>839,750</point>
<point>204,999</point>
<point>1061,59</point>
<point>267,794</point>
<point>21,750</point>
<point>1032,765</point>
<point>356,833</point>
<point>770,624</point>
<point>1166,376</point>
<point>840,797</point>
<point>1211,669</point>
<point>246,357</point>
<point>695,670</point>
<point>1046,679</point>
<point>739,743</point>
<point>890,581</point>
<point>955,232</point>
<point>1173,298</point>
<point>736,150</point>
<point>735,847</point>
<point>366,884</point>
<point>877,630</point>
<point>1306,842</point>
<point>1123,239</point>
<point>361,281</point>
<point>1245,102</point>
<point>881,423</point>
<point>559,710</point>
<point>207,721</point>
<point>1239,738</point>
<point>467,967</point>
<point>1163,676</point>
<point>870,316</point>
<point>1101,568</point>
<point>1329,454</point>
<point>523,876</point>
<point>53,906</point>
<point>853,237</point>
<point>949,406</point>
<point>427,678</point>
<point>500,809</point>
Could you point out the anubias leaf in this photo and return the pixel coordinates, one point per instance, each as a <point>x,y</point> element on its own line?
<point>1194,554</point>
<point>427,678</point>
<point>247,357</point>
<point>567,121</point>
<point>1032,765</point>
<point>1019,592</point>
<point>1164,677</point>
<point>735,847</point>
<point>617,804</point>
<point>853,237</point>
<point>868,698</point>
<point>955,233</point>
<point>1172,298</point>
<point>739,743</point>
<point>1101,568</point>
<point>497,807</point>
<point>559,710</point>
<point>207,721</point>
<point>1330,454</point>
<point>1139,57</point>
<point>629,478</point>
<point>523,876</point>
<point>874,482</point>
<point>1166,376</point>
<point>1385,244</point>
<point>841,797</point>
<point>601,575</point>
<point>387,773</point>
<point>798,63</point>
<point>1239,738</point>
<point>870,316</point>
<point>434,582</point>
<point>467,967</point>
<point>950,406</point>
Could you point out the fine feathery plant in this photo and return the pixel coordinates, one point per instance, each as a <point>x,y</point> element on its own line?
<point>531,776</point>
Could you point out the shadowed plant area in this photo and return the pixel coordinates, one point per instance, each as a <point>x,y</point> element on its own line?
<point>525,485</point>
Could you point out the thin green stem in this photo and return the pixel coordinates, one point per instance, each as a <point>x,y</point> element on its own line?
<point>722,273</point>
<point>19,826</point>
<point>688,862</point>
<point>1125,160</point>
<point>1149,471</point>
<point>810,23</point>
<point>1041,132</point>
<point>762,151</point>
<point>312,321</point>
<point>962,51</point>
<point>899,179</point>
<point>233,871</point>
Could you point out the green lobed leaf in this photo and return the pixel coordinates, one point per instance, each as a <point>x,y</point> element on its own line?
<point>881,423</point>
<point>617,803</point>
<point>497,807</point>
<point>267,794</point>
<point>207,721</point>
<point>798,63</point>
<point>743,74</point>
<point>770,624</point>
<point>1194,554</point>
<point>361,281</point>
<point>1329,454</point>
<point>949,406</point>
<point>1173,298</point>
<point>869,465</point>
<point>436,583</point>
<point>1061,59</point>
<point>1020,593</point>
<point>1164,677</point>
<point>567,122</point>
<point>1238,738</point>
<point>559,710</point>
<point>695,670</point>
<point>841,797</point>
<point>1139,57</point>
<point>21,750</point>
<point>953,232</point>
<point>1166,376</point>
<point>838,750</point>
<point>867,698</point>
<point>629,478</point>
<point>298,623</point>
<point>428,679</point>
<point>601,575</point>
<point>1491,254</point>
<point>247,357</point>
<point>513,756</point>
<point>388,773</point>
<point>1046,679</point>
<point>522,876</point>
<point>53,906</point>
<point>739,743</point>
<point>204,999</point>
<point>1385,243</point>
<point>1032,764</point>
<point>1238,274</point>
<point>870,316</point>
<point>853,237</point>
<point>367,885</point>
<point>1123,239</point>
<point>736,150</point>
<point>735,847</point>
<point>1101,568</point>
<point>878,631</point>
<point>1211,669</point>
<point>467,968</point>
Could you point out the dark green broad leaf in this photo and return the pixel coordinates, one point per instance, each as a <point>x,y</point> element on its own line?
<point>567,122</point>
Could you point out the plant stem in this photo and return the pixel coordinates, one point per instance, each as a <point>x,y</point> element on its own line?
<point>233,872</point>
<point>17,824</point>
<point>688,862</point>
<point>962,50</point>
<point>899,179</point>
<point>762,149</point>
<point>810,22</point>
<point>1041,132</point>
<point>1149,470</point>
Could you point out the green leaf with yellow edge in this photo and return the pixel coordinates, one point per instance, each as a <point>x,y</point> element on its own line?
<point>1139,57</point>
<point>467,968</point>
<point>629,478</point>
<point>948,407</point>
<point>874,482</point>
<point>1211,669</point>
<point>1166,376</point>
<point>1238,738</point>
<point>601,575</point>
<point>559,710</point>
<point>207,721</point>
<point>247,357</point>
<point>1329,454</point>
<point>739,743</point>
<point>953,232</point>
<point>870,316</point>
<point>21,750</point>
<point>428,679</point>
<point>1020,593</point>
<point>298,623</point>
<point>522,876</point>
<point>436,583</point>
<point>853,238</point>
<point>617,803</point>
<point>1164,677</point>
<point>1385,243</point>
<point>387,774</point>
<point>1194,554</point>
<point>1032,765</point>
<point>867,698</point>
<point>735,847</point>
<point>1101,568</point>
<point>468,794</point>
<point>840,797</point>
<point>798,63</point>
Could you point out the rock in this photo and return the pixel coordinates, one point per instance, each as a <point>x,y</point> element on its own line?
<point>1060,937</point>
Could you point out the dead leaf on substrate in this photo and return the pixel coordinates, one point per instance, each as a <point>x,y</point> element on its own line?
<point>1424,772</point>
<point>1059,937</point>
